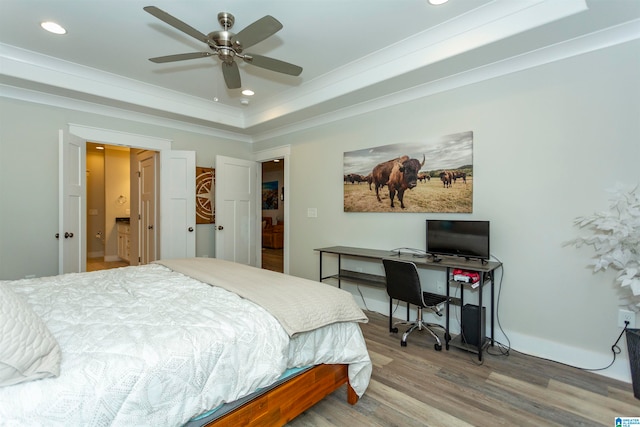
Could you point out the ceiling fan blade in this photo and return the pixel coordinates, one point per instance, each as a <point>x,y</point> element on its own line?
<point>180,57</point>
<point>273,64</point>
<point>258,31</point>
<point>231,75</point>
<point>176,23</point>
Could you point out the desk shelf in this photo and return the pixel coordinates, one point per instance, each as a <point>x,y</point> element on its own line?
<point>367,279</point>
<point>456,341</point>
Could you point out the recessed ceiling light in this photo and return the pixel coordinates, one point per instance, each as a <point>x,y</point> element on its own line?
<point>437,2</point>
<point>99,147</point>
<point>248,92</point>
<point>52,27</point>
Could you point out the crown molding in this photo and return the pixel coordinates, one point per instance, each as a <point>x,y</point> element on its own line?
<point>581,45</point>
<point>591,42</point>
<point>36,97</point>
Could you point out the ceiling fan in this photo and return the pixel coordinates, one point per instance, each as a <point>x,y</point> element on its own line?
<point>228,45</point>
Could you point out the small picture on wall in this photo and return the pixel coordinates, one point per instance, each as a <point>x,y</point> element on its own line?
<point>270,195</point>
<point>432,175</point>
<point>205,187</point>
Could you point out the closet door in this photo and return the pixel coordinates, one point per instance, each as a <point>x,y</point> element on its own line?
<point>236,210</point>
<point>177,204</point>
<point>72,219</point>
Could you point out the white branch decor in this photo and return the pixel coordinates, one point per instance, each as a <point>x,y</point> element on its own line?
<point>615,236</point>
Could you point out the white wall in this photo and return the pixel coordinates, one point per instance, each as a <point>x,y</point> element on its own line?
<point>547,143</point>
<point>95,202</point>
<point>29,179</point>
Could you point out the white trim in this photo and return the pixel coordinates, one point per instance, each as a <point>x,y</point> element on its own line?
<point>36,97</point>
<point>606,38</point>
<point>119,138</point>
<point>43,69</point>
<point>571,355</point>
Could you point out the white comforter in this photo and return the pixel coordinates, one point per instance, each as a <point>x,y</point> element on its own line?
<point>149,346</point>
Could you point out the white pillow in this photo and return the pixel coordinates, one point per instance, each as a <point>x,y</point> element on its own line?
<point>28,350</point>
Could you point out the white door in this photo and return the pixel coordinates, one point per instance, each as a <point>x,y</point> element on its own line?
<point>177,204</point>
<point>147,207</point>
<point>236,210</point>
<point>72,219</point>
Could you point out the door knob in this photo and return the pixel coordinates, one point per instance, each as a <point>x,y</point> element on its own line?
<point>190,229</point>
<point>150,227</point>
<point>57,235</point>
<point>220,227</point>
<point>68,235</point>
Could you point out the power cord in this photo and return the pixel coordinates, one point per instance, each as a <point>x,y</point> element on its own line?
<point>614,349</point>
<point>505,349</point>
<point>418,253</point>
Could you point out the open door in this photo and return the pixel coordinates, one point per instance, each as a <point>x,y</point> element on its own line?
<point>177,204</point>
<point>72,219</point>
<point>236,210</point>
<point>144,206</point>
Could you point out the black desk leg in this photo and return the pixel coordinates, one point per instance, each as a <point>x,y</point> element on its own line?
<point>391,328</point>
<point>479,320</point>
<point>447,336</point>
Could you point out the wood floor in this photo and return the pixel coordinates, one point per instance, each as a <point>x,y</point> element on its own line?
<point>272,259</point>
<point>418,386</point>
<point>94,264</point>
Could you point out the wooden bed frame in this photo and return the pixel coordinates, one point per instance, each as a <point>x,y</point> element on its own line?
<point>291,398</point>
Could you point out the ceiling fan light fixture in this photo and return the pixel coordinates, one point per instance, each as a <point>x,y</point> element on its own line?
<point>437,2</point>
<point>53,27</point>
<point>228,46</point>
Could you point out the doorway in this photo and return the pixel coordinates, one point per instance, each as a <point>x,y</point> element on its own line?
<point>273,215</point>
<point>121,184</point>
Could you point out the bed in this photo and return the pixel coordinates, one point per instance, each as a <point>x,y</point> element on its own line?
<point>167,343</point>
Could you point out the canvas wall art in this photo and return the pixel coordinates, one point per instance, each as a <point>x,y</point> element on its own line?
<point>431,175</point>
<point>270,195</point>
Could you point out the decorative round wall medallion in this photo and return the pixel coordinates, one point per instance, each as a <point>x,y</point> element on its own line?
<point>205,184</point>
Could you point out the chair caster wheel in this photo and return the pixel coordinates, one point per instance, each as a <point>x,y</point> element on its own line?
<point>394,330</point>
<point>438,347</point>
<point>403,343</point>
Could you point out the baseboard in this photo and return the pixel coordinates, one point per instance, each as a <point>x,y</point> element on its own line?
<point>97,254</point>
<point>572,356</point>
<point>111,258</point>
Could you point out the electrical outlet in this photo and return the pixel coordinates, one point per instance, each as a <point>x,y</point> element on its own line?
<point>626,315</point>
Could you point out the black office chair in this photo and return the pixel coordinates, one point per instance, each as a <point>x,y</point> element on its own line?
<point>403,283</point>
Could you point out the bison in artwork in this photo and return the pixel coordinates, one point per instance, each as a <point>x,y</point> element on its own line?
<point>461,175</point>
<point>423,177</point>
<point>399,175</point>
<point>447,178</point>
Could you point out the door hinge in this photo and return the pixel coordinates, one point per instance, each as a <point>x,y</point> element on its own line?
<point>138,174</point>
<point>139,217</point>
<point>139,259</point>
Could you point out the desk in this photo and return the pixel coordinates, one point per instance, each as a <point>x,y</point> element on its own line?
<point>486,270</point>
